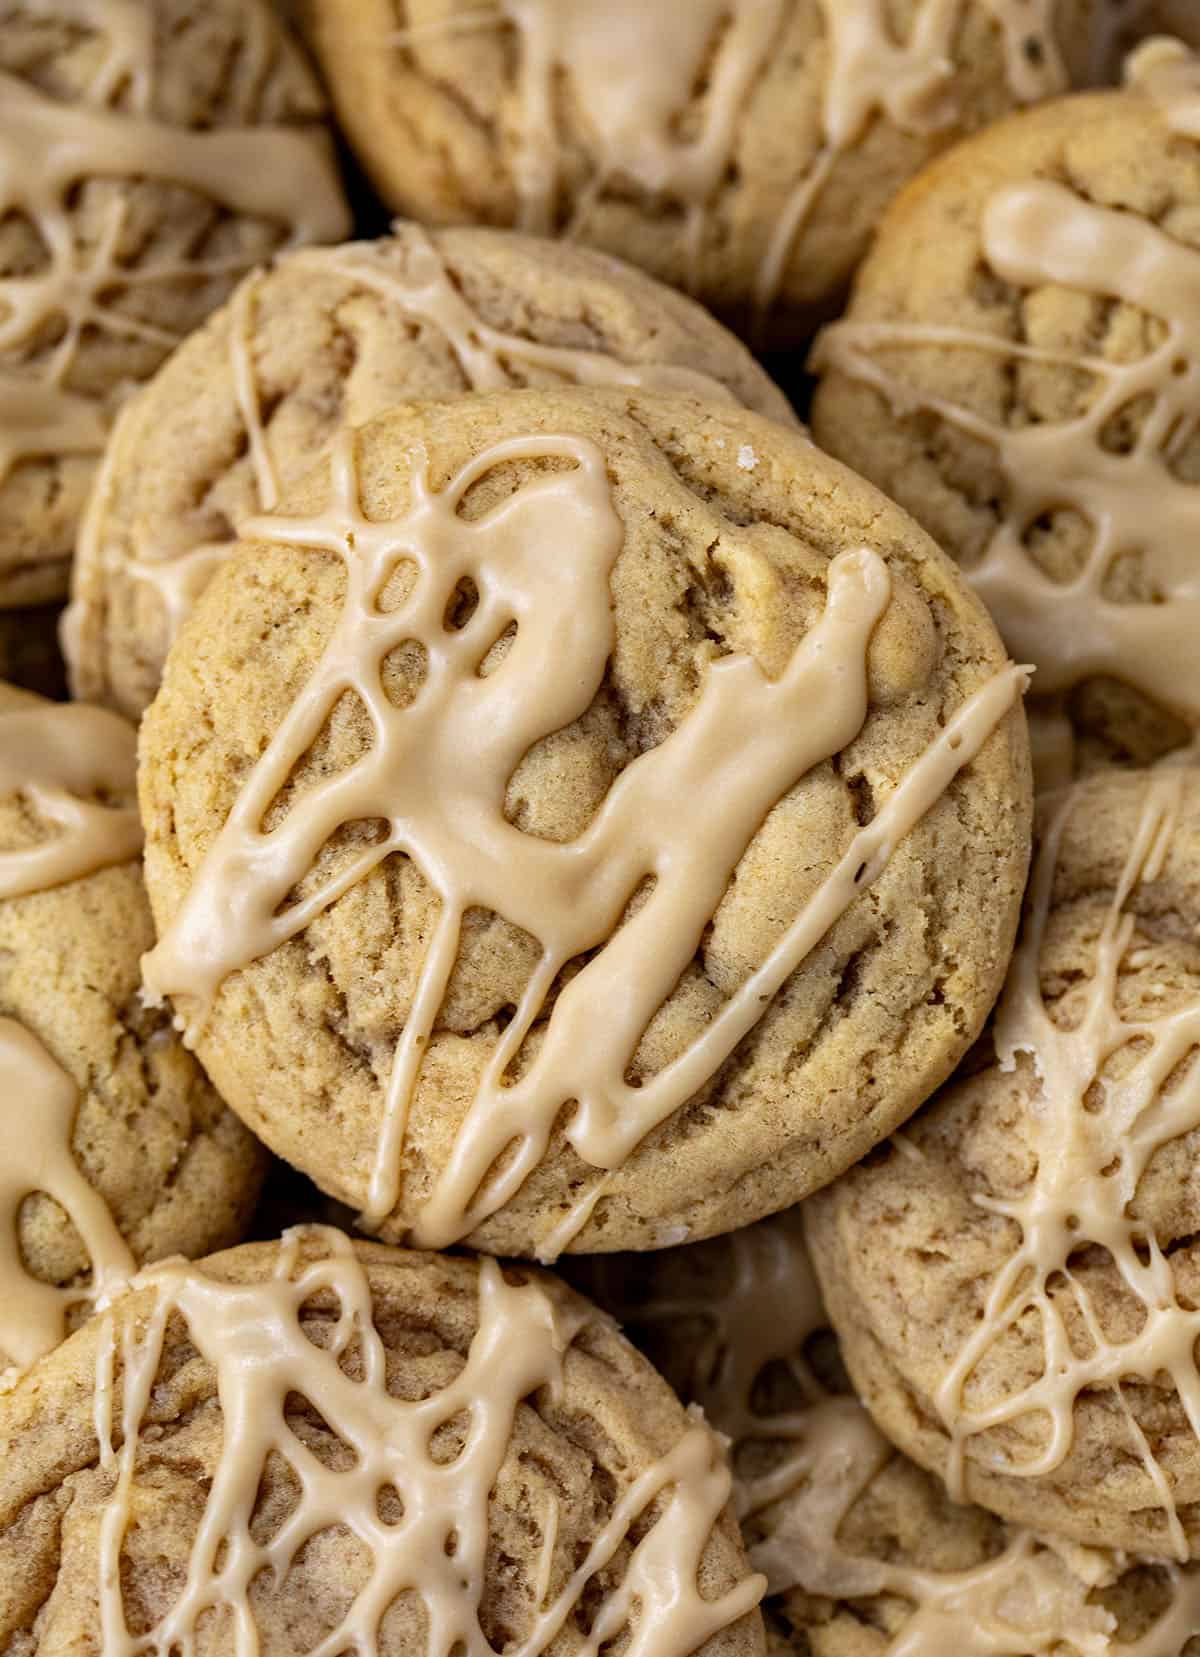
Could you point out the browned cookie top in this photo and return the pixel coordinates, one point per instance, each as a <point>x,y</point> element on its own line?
<point>151,151</point>
<point>246,406</point>
<point>741,149</point>
<point>577,817</point>
<point>317,1446</point>
<point>116,1147</point>
<point>864,1552</point>
<point>1015,1283</point>
<point>1020,368</point>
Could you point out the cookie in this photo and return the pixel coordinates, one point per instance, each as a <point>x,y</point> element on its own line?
<point>117,1149</point>
<point>310,1446</point>
<point>1019,367</point>
<point>151,152</point>
<point>586,746</point>
<point>743,151</point>
<point>247,405</point>
<point>863,1552</point>
<point>1015,1283</point>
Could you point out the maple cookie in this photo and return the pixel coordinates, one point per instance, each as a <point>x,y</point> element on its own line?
<point>318,1447</point>
<point>151,151</point>
<point>1015,1283</point>
<point>741,149</point>
<point>582,817</point>
<point>116,1148</point>
<point>1020,367</point>
<point>863,1551</point>
<point>246,405</point>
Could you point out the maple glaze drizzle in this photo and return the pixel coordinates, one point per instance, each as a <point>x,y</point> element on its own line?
<point>48,148</point>
<point>635,68</point>
<point>1042,234</point>
<point>38,1104</point>
<point>422,292</point>
<point>1028,1598</point>
<point>1094,1134</point>
<point>252,1335</point>
<point>437,776</point>
<point>55,758</point>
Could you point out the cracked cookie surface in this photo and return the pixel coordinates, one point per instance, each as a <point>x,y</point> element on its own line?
<point>248,403</point>
<point>175,1169</point>
<point>742,151</point>
<point>153,151</point>
<point>1014,1284</point>
<point>1033,406</point>
<point>559,1473</point>
<point>734,546</point>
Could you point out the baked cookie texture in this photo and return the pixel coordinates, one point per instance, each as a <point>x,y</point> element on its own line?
<point>1018,368</point>
<point>355,1034</point>
<point>248,403</point>
<point>1014,1285</point>
<point>743,152</point>
<point>863,1550</point>
<point>559,1472</point>
<point>153,151</point>
<point>175,1170</point>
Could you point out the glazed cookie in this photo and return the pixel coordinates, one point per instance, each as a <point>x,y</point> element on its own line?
<point>863,1552</point>
<point>741,149</point>
<point>150,152</point>
<point>247,405</point>
<point>117,1149</point>
<point>319,1447</point>
<point>1015,1283</point>
<point>1020,368</point>
<point>581,818</point>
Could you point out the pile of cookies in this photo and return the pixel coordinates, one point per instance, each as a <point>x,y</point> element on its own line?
<point>600,988</point>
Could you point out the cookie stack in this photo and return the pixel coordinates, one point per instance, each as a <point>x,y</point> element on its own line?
<point>529,803</point>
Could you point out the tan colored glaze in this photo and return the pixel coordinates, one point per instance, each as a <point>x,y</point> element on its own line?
<point>1043,233</point>
<point>48,147</point>
<point>1169,75</point>
<point>437,776</point>
<point>634,67</point>
<point>911,84</point>
<point>1029,1599</point>
<point>55,757</point>
<point>179,575</point>
<point>38,1102</point>
<point>39,417</point>
<point>1090,1154</point>
<point>253,1337</point>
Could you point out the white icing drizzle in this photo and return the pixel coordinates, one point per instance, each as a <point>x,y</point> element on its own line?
<point>423,292</point>
<point>1033,1598</point>
<point>1034,235</point>
<point>634,68</point>
<point>38,1103</point>
<point>1093,1135</point>
<point>437,775</point>
<point>253,1337</point>
<point>54,756</point>
<point>48,147</point>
